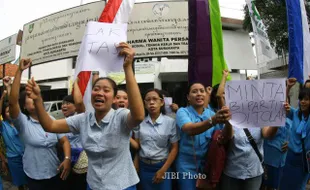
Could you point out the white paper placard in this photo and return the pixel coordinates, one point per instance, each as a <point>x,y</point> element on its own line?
<point>256,103</point>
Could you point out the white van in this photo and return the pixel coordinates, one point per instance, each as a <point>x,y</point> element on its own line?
<point>54,109</point>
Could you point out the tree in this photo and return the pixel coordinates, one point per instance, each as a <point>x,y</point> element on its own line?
<point>273,14</point>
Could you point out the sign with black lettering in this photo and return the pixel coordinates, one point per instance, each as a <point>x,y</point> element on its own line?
<point>256,103</point>
<point>8,49</point>
<point>58,35</point>
<point>99,50</point>
<point>159,29</point>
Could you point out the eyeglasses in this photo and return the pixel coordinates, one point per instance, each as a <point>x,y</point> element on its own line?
<point>152,99</point>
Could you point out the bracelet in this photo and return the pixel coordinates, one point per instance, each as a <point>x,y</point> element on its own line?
<point>67,158</point>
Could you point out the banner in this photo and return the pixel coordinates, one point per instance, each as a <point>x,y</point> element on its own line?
<point>159,29</point>
<point>59,35</point>
<point>8,49</point>
<point>256,103</point>
<point>264,50</point>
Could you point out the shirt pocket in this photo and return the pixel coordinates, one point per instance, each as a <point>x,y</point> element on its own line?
<point>162,140</point>
<point>111,141</point>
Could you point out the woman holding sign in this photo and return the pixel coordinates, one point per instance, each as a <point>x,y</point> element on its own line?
<point>197,124</point>
<point>243,169</point>
<point>105,132</point>
<point>297,166</point>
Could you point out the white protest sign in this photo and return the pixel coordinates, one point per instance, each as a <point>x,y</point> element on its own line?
<point>168,102</point>
<point>256,103</point>
<point>99,52</point>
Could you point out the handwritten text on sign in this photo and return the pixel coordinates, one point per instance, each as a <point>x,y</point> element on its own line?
<point>256,103</point>
<point>99,51</point>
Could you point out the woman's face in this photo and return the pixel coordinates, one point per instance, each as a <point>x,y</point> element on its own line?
<point>153,102</point>
<point>307,85</point>
<point>7,113</point>
<point>121,99</point>
<point>29,105</point>
<point>197,95</point>
<point>67,108</point>
<point>102,95</point>
<point>305,104</point>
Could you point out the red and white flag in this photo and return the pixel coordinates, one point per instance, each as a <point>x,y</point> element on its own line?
<point>117,12</point>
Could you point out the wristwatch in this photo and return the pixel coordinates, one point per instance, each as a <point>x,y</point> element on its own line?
<point>67,158</point>
<point>210,121</point>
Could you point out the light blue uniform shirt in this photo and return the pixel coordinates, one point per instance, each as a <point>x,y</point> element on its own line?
<point>295,144</point>
<point>40,159</point>
<point>185,161</point>
<point>273,154</point>
<point>74,139</point>
<point>106,143</point>
<point>14,147</point>
<point>242,161</point>
<point>155,138</point>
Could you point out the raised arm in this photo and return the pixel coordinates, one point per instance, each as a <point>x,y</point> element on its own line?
<point>54,126</point>
<point>2,100</point>
<point>7,82</point>
<point>13,98</point>
<point>290,83</point>
<point>221,89</point>
<point>78,98</point>
<point>136,115</point>
<point>221,116</point>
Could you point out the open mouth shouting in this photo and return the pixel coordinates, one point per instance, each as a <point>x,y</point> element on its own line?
<point>99,101</point>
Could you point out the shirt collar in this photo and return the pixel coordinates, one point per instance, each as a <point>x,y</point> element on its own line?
<point>192,109</point>
<point>105,120</point>
<point>33,120</point>
<point>159,120</point>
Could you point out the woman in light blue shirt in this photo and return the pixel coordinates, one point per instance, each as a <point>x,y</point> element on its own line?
<point>75,181</point>
<point>275,151</point>
<point>296,169</point>
<point>158,140</point>
<point>40,160</point>
<point>197,125</point>
<point>104,132</point>
<point>14,147</point>
<point>14,150</point>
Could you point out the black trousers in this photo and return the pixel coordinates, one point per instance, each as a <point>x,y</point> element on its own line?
<point>53,183</point>
<point>75,182</point>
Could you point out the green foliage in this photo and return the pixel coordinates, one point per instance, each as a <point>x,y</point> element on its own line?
<point>273,14</point>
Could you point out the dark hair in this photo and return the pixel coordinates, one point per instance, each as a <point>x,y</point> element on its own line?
<point>121,89</point>
<point>4,106</point>
<point>307,81</point>
<point>213,98</point>
<point>111,81</point>
<point>190,86</point>
<point>68,98</point>
<point>22,103</point>
<point>164,93</point>
<point>162,108</point>
<point>303,93</point>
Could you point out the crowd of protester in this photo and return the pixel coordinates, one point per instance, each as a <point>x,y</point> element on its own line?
<point>129,142</point>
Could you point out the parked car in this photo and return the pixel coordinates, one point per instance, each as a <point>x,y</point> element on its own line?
<point>54,109</point>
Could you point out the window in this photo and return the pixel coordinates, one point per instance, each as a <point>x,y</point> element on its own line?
<point>53,108</point>
<point>59,105</point>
